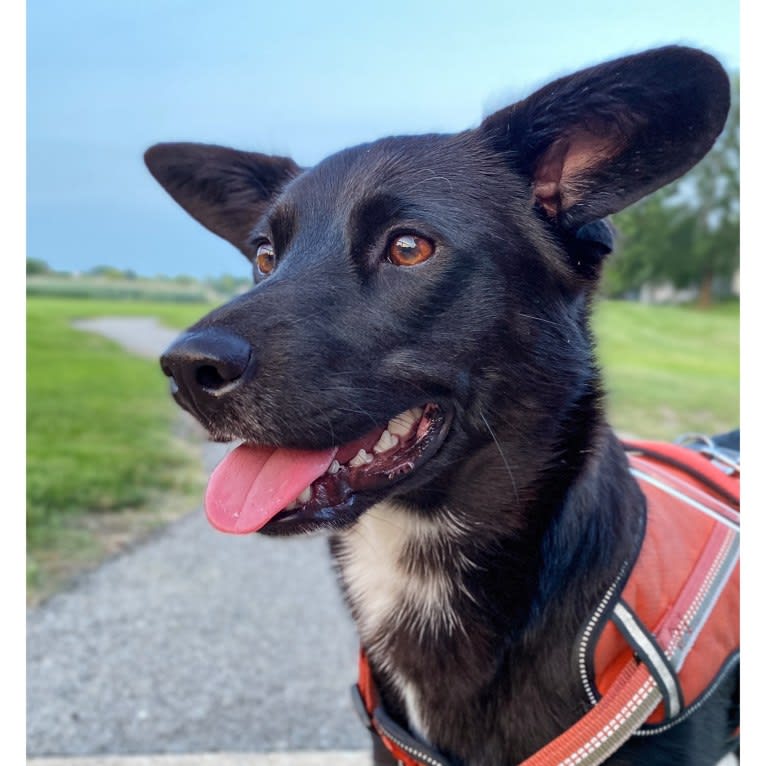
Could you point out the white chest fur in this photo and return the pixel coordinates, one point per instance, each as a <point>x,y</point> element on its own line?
<point>382,561</point>
<point>400,569</point>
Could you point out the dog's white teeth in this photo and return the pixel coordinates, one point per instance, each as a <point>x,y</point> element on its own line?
<point>334,467</point>
<point>397,428</point>
<point>402,424</point>
<point>292,506</point>
<point>386,442</point>
<point>361,458</point>
<point>304,496</point>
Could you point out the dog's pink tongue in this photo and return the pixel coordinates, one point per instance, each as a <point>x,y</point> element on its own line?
<point>252,484</point>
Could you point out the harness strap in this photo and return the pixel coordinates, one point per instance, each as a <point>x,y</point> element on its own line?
<point>607,726</point>
<point>707,471</point>
<point>406,749</point>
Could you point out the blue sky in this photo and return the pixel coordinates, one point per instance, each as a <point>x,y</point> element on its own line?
<point>107,79</point>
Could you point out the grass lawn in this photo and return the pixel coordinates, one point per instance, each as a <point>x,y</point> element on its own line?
<point>669,370</point>
<point>101,449</point>
<point>105,460</point>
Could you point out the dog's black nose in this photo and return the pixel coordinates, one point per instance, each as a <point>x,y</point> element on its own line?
<point>205,365</point>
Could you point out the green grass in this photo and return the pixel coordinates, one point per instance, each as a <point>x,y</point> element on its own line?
<point>669,370</point>
<point>178,315</point>
<point>100,429</point>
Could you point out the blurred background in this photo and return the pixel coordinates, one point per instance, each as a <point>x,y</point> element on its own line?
<point>110,459</point>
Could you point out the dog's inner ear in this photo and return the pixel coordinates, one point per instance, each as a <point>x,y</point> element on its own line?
<point>598,140</point>
<point>226,190</point>
<point>557,179</point>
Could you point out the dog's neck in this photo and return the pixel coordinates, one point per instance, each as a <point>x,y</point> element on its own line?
<point>448,604</point>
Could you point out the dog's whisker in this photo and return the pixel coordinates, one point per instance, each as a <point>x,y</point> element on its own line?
<point>540,319</point>
<point>367,540</point>
<point>371,512</point>
<point>502,455</point>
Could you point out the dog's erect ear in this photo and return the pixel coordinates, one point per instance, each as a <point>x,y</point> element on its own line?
<point>224,189</point>
<point>596,141</point>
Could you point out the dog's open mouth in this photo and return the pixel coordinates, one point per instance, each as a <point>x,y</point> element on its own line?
<point>256,486</point>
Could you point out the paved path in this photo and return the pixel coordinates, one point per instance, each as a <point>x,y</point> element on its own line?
<point>294,758</point>
<point>194,642</point>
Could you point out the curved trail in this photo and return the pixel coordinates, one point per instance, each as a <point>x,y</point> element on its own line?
<point>193,641</point>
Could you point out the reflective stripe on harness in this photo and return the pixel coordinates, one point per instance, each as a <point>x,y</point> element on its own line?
<point>653,650</point>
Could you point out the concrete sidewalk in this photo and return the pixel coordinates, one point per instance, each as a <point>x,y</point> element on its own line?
<point>295,758</point>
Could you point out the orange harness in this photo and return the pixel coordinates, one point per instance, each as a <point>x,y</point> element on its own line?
<point>664,635</point>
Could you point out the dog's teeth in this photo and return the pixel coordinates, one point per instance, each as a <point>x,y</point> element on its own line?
<point>292,506</point>
<point>304,496</point>
<point>402,424</point>
<point>361,458</point>
<point>334,467</point>
<point>386,442</point>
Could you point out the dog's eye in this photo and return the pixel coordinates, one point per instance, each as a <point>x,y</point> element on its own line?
<point>409,250</point>
<point>265,259</point>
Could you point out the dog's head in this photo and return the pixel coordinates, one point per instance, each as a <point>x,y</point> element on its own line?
<point>420,297</point>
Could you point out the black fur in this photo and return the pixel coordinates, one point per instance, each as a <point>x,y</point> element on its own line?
<point>494,328</point>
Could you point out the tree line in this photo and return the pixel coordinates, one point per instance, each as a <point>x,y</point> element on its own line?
<point>686,234</point>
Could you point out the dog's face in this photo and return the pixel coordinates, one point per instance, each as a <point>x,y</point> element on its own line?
<point>416,296</point>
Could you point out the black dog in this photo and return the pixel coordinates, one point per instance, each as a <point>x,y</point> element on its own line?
<point>414,371</point>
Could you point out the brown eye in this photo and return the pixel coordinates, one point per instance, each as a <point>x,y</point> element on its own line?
<point>409,250</point>
<point>265,260</point>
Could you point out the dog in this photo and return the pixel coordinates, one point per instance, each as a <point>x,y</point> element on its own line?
<point>413,371</point>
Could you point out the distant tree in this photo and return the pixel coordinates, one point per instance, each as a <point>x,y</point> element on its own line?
<point>644,231</point>
<point>108,272</point>
<point>36,266</point>
<point>712,235</point>
<point>226,284</point>
<point>688,232</point>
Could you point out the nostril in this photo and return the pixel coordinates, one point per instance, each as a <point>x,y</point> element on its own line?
<point>214,374</point>
<point>209,378</point>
